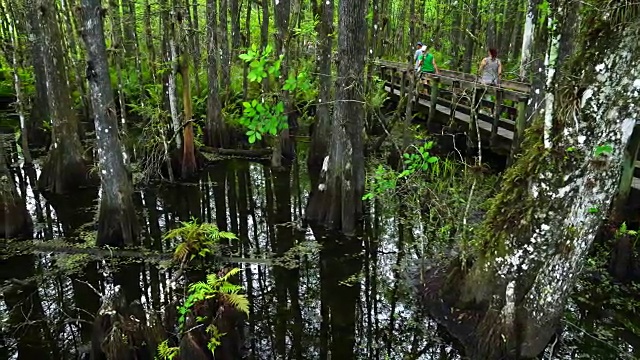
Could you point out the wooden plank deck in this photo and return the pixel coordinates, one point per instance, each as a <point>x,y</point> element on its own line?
<point>486,126</point>
<point>445,111</point>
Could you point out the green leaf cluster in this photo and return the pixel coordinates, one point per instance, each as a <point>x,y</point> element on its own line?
<point>261,65</point>
<point>197,240</point>
<point>263,118</point>
<point>266,116</point>
<point>385,179</point>
<point>217,288</point>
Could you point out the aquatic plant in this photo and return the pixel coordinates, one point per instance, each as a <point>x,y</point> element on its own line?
<point>216,289</point>
<point>197,240</point>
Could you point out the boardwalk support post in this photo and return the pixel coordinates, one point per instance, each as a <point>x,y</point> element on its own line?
<point>476,102</point>
<point>403,83</point>
<point>434,87</point>
<point>628,169</point>
<point>518,133</point>
<point>454,101</point>
<point>383,74</point>
<point>497,110</point>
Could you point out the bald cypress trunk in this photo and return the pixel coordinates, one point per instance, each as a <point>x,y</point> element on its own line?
<point>14,218</point>
<point>553,200</point>
<point>215,127</point>
<point>322,130</point>
<point>338,203</point>
<point>283,147</point>
<point>64,169</point>
<point>117,225</point>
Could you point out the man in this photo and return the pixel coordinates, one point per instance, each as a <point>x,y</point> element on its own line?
<point>417,57</point>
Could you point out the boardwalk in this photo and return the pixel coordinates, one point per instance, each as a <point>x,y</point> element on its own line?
<point>458,100</point>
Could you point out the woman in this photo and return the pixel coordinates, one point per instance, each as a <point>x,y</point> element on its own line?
<point>491,69</point>
<point>428,64</point>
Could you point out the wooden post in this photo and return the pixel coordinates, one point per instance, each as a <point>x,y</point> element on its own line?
<point>518,134</point>
<point>473,133</point>
<point>497,109</point>
<point>392,78</point>
<point>403,83</point>
<point>434,85</point>
<point>383,74</point>
<point>454,101</point>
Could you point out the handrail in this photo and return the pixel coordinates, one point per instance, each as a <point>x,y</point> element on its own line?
<point>470,78</point>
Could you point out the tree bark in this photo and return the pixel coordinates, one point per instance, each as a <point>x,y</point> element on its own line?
<point>39,114</point>
<point>189,166</point>
<point>64,168</point>
<point>338,203</point>
<point>470,42</point>
<point>322,128</point>
<point>15,220</point>
<point>542,223</point>
<point>527,38</point>
<point>117,224</point>
<point>223,43</point>
<point>215,127</point>
<point>235,24</point>
<point>195,33</point>
<point>283,147</point>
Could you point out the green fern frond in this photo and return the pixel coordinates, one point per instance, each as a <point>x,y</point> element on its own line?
<point>165,352</point>
<point>239,301</point>
<point>181,252</point>
<point>199,286</point>
<point>228,288</point>
<point>227,235</point>
<point>229,274</point>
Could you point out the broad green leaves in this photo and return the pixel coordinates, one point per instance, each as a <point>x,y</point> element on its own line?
<point>267,116</point>
<point>414,163</point>
<point>262,119</point>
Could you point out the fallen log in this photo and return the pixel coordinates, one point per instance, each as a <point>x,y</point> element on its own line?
<point>58,246</point>
<point>248,153</point>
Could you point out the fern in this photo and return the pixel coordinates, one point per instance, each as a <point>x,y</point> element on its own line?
<point>165,352</point>
<point>214,288</point>
<point>229,274</point>
<point>196,240</point>
<point>238,301</point>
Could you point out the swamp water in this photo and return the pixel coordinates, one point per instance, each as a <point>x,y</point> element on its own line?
<point>309,298</point>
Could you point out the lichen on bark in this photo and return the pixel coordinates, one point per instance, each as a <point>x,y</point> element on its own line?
<point>117,223</point>
<point>553,200</point>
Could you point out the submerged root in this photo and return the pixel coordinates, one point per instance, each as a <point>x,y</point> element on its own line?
<point>121,332</point>
<point>117,225</point>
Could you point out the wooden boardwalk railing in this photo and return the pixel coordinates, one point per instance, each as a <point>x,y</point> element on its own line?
<point>457,100</point>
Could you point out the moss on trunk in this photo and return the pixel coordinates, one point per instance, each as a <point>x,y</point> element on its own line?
<point>509,300</point>
<point>64,169</point>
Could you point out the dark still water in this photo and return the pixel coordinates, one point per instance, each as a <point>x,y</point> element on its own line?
<point>312,297</point>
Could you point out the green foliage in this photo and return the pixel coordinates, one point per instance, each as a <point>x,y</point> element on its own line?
<point>197,240</point>
<point>165,352</point>
<point>215,287</point>
<point>385,179</point>
<point>261,65</point>
<point>377,94</point>
<point>601,150</point>
<point>219,289</point>
<point>267,116</point>
<point>263,118</point>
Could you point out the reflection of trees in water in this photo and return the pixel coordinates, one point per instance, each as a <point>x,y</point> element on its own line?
<point>349,300</point>
<point>27,322</point>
